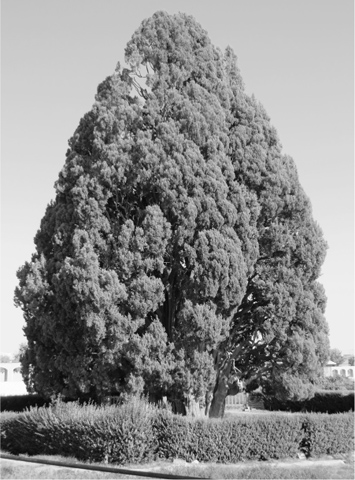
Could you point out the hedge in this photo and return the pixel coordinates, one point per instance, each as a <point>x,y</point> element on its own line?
<point>328,434</point>
<point>18,403</point>
<point>88,432</point>
<point>322,402</point>
<point>228,440</point>
<point>138,432</point>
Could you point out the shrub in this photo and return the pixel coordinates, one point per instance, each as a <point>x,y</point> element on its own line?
<point>172,434</point>
<point>120,434</point>
<point>228,440</point>
<point>322,402</point>
<point>256,437</point>
<point>336,383</point>
<point>324,434</point>
<point>15,437</point>
<point>18,403</point>
<point>137,432</point>
<point>7,423</point>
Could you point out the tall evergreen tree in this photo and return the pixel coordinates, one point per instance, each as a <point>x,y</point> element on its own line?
<point>180,256</point>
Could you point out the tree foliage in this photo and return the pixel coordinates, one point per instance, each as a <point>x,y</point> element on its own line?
<point>336,356</point>
<point>180,255</point>
<point>5,358</point>
<point>13,358</point>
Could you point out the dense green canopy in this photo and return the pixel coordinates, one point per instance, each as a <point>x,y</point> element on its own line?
<point>180,255</point>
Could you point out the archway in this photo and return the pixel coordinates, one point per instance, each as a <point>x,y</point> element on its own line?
<point>4,374</point>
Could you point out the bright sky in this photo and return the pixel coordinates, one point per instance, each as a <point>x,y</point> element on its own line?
<point>296,56</point>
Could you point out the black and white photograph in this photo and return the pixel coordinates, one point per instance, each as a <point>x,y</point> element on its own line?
<point>177,239</point>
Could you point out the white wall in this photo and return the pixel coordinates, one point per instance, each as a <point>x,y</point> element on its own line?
<point>11,382</point>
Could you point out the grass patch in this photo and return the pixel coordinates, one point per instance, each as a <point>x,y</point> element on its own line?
<point>20,470</point>
<point>345,472</point>
<point>268,472</point>
<point>38,472</point>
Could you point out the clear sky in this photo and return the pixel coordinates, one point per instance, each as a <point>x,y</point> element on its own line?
<point>296,56</point>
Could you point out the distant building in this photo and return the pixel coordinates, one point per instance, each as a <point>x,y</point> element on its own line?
<point>11,381</point>
<point>331,369</point>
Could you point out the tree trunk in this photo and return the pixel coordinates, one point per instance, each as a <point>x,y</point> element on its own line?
<point>209,396</point>
<point>219,397</point>
<point>221,390</point>
<point>168,310</point>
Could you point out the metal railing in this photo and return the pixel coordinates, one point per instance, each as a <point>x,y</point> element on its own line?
<point>238,399</point>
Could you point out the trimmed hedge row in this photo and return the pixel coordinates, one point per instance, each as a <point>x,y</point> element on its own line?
<point>322,402</point>
<point>228,440</point>
<point>88,432</point>
<point>328,434</point>
<point>18,403</point>
<point>138,432</point>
